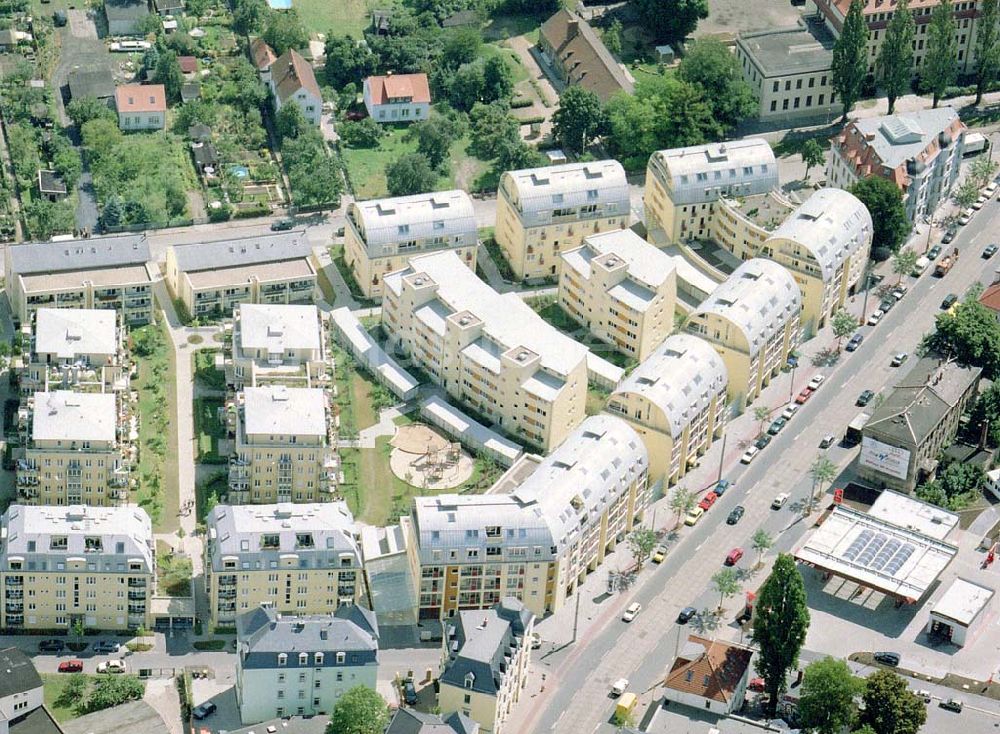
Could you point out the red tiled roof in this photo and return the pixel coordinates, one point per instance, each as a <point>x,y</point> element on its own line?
<point>141,98</point>
<point>188,64</point>
<point>262,54</point>
<point>991,298</point>
<point>290,73</point>
<point>714,673</point>
<point>397,86</point>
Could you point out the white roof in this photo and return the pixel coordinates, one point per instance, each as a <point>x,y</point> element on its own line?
<point>703,173</point>
<point>459,425</point>
<point>909,512</point>
<point>758,298</point>
<point>647,266</point>
<point>540,190</point>
<point>418,217</point>
<point>963,601</point>
<point>69,332</point>
<point>680,378</point>
<point>876,553</point>
<point>280,410</point>
<point>277,327</point>
<point>364,348</point>
<point>832,224</point>
<point>70,416</point>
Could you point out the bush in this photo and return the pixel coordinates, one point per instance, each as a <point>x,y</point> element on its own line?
<point>881,254</point>
<point>361,134</point>
<point>220,214</point>
<point>519,102</point>
<point>532,120</point>
<point>114,691</point>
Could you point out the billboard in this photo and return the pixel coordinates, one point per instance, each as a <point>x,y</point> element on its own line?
<point>882,457</point>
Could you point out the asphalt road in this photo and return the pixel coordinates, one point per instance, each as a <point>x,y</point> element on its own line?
<point>643,650</point>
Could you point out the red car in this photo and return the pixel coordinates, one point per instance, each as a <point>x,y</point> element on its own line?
<point>707,501</point>
<point>71,666</point>
<point>804,396</point>
<point>734,556</point>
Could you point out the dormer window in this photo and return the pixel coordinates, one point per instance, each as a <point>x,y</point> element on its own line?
<point>303,658</point>
<point>341,657</point>
<point>470,678</point>
<point>318,658</point>
<point>282,660</point>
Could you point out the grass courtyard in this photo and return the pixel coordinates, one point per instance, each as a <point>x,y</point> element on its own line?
<point>349,17</point>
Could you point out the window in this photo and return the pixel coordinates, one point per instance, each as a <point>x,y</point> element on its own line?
<point>282,659</point>
<point>303,658</point>
<point>318,658</point>
<point>341,657</point>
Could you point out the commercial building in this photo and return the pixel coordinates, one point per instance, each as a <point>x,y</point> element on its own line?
<point>789,69</point>
<point>709,675</point>
<point>490,352</point>
<point>622,289</point>
<point>296,559</point>
<point>277,344</point>
<point>61,565</point>
<point>676,401</point>
<point>920,152</point>
<point>684,184</point>
<point>824,244</point>
<point>538,532</point>
<point>960,612</point>
<point>102,272</point>
<point>292,81</point>
<point>542,212</point>
<point>382,235</point>
<point>75,450</point>
<point>75,349</point>
<point>578,56</point>
<point>22,699</point>
<point>752,321</point>
<point>213,277</point>
<point>901,443</point>
<point>302,665</point>
<point>283,451</point>
<point>484,665</point>
<point>141,106</point>
<point>397,97</point>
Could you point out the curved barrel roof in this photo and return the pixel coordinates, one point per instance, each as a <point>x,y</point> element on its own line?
<point>702,173</point>
<point>540,190</point>
<point>418,217</point>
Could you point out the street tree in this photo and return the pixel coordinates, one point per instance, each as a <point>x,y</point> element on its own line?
<point>940,67</point>
<point>894,65</point>
<point>780,625</point>
<point>903,263</point>
<point>890,706</point>
<point>970,335</point>
<point>761,542</point>
<point>884,201</point>
<point>823,471</point>
<point>578,120</point>
<point>826,699</point>
<point>727,584</point>
<point>813,154</point>
<point>641,542</point>
<point>843,324</point>
<point>681,502</point>
<point>671,20</point>
<point>982,170</point>
<point>761,414</point>
<point>410,174</point>
<point>79,630</point>
<point>361,710</point>
<point>987,47</point>
<point>966,194</point>
<point>850,58</point>
<point>709,64</point>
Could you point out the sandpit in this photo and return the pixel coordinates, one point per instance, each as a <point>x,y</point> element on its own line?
<point>424,458</point>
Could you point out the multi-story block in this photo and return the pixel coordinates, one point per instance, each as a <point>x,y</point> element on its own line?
<point>489,351</point>
<point>300,559</point>
<point>277,344</point>
<point>683,185</point>
<point>103,272</point>
<point>283,450</point>
<point>302,665</point>
<point>676,401</point>
<point>73,454</point>
<point>920,152</point>
<point>22,697</point>
<point>824,244</point>
<point>484,666</point>
<point>211,278</point>
<point>382,235</point>
<point>538,532</point>
<point>740,224</point>
<point>622,289</point>
<point>542,212</point>
<point>752,321</point>
<point>60,565</point>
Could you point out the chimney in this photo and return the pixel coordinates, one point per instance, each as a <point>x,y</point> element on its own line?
<point>572,28</point>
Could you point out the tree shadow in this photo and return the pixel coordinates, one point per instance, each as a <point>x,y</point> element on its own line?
<point>826,357</point>
<point>706,620</point>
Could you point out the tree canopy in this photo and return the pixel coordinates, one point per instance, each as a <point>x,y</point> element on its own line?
<point>884,201</point>
<point>894,65</point>
<point>971,335</point>
<point>956,487</point>
<point>850,58</point>
<point>940,67</point>
<point>710,65</point>
<point>361,710</point>
<point>284,31</point>
<point>578,120</point>
<point>347,61</point>
<point>986,413</point>
<point>826,699</point>
<point>410,174</point>
<point>987,46</point>
<point>890,706</point>
<point>671,20</point>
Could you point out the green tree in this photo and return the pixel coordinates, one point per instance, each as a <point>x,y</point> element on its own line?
<point>843,324</point>
<point>982,170</point>
<point>761,414</point>
<point>850,58</point>
<point>823,471</point>
<point>284,31</point>
<point>985,415</point>
<point>514,155</point>
<point>490,127</point>
<point>66,162</point>
<point>987,46</point>
<point>74,691</point>
<point>363,133</point>
<point>85,109</point>
<point>613,37</point>
<point>314,175</point>
<point>966,194</point>
<point>885,203</point>
<point>681,502</point>
<point>890,706</point>
<point>710,64</point>
<point>434,138</point>
<point>813,154</point>
<point>826,700</point>
<point>290,123</point>
<point>894,65</point>
<point>761,542</point>
<point>347,61</point>
<point>461,46</point>
<point>578,120</point>
<point>113,690</point>
<point>726,584</point>
<point>940,67</point>
<point>168,73</point>
<point>361,710</point>
<point>410,174</point>
<point>641,542</point>
<point>903,263</point>
<point>970,335</point>
<point>780,625</point>
<point>498,80</point>
<point>79,630</point>
<point>671,20</point>
<point>955,488</point>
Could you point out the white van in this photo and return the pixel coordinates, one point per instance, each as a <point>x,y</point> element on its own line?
<point>920,266</point>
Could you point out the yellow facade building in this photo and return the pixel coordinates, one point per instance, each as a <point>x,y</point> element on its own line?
<point>542,212</point>
<point>622,289</point>
<point>63,565</point>
<point>741,224</point>
<point>277,345</point>
<point>382,235</point>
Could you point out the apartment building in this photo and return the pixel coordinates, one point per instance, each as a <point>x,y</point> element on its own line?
<point>622,289</point>
<point>295,558</point>
<point>489,351</point>
<point>740,224</point>
<point>73,454</point>
<point>101,272</point>
<point>683,185</point>
<point>75,349</point>
<point>920,152</point>
<point>277,344</point>
<point>484,663</point>
<point>752,321</point>
<point>61,565</point>
<point>824,244</point>
<point>676,401</point>
<point>542,212</point>
<point>411,721</point>
<point>283,450</point>
<point>301,665</point>
<point>211,278</point>
<point>22,697</point>
<point>381,235</point>
<point>545,525</point>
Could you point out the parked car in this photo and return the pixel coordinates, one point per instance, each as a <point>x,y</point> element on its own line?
<point>923,694</point>
<point>816,381</point>
<point>854,342</point>
<point>721,486</point>
<point>631,611</point>
<point>886,304</point>
<point>749,455</point>
<point>536,640</point>
<point>410,693</point>
<point>827,441</point>
<point>966,216</point>
<point>950,300</point>
<point>775,428</point>
<point>978,203</point>
<point>734,556</point>
<point>51,646</point>
<point>282,225</point>
<point>619,687</point>
<point>788,412</point>
<point>659,553</point>
<point>887,658</point>
<point>685,616</point>
<point>953,704</point>
<point>111,666</point>
<point>71,666</point>
<point>875,317</point>
<point>899,291</point>
<point>778,502</point>
<point>762,442</point>
<point>207,709</point>
<point>708,500</point>
<point>804,396</point>
<point>949,235</point>
<point>694,516</point>
<point>864,398</point>
<point>898,359</point>
<point>990,251</point>
<point>107,646</point>
<point>735,515</point>
<point>932,254</point>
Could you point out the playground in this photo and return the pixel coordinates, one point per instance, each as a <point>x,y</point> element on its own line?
<point>424,458</point>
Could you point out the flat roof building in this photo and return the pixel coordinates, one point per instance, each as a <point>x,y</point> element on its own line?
<point>277,344</point>
<point>380,365</point>
<point>382,235</point>
<point>959,613</point>
<point>78,349</point>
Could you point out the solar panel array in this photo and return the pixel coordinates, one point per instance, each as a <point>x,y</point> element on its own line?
<point>879,552</point>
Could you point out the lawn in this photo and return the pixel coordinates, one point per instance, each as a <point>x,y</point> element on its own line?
<point>208,430</point>
<point>205,372</point>
<point>596,400</point>
<point>61,702</point>
<point>349,17</point>
<point>553,313</point>
<point>173,572</point>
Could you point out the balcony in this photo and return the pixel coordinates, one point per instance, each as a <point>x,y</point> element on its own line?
<point>14,607</point>
<point>15,581</point>
<point>139,609</point>
<point>227,580</point>
<point>137,583</point>
<point>15,620</point>
<point>227,595</point>
<point>137,596</point>
<point>227,608</point>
